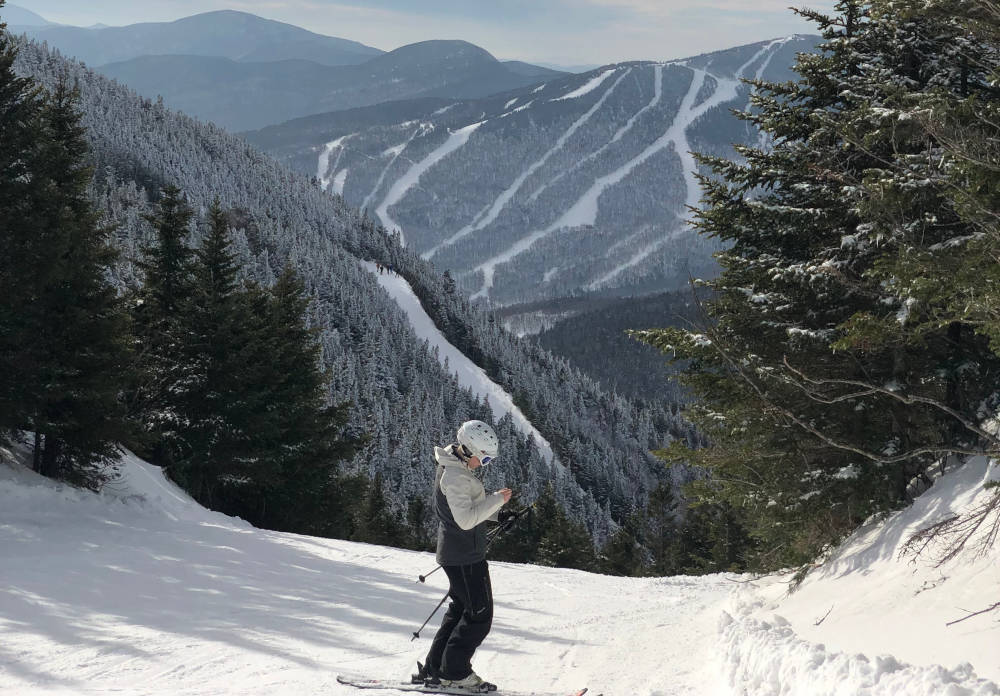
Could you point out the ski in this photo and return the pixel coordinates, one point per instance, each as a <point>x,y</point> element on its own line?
<point>363,682</point>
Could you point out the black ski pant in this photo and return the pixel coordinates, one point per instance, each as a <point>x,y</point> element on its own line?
<point>465,624</point>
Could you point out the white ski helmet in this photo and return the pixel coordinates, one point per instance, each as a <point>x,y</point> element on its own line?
<point>479,439</point>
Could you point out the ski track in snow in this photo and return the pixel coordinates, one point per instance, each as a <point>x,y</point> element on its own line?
<point>504,198</point>
<point>338,182</point>
<point>584,211</point>
<point>402,185</point>
<point>726,90</point>
<point>657,97</point>
<point>587,88</point>
<point>469,374</point>
<point>324,171</point>
<point>396,151</point>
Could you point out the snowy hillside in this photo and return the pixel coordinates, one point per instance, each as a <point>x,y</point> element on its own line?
<point>580,184</point>
<point>140,591</point>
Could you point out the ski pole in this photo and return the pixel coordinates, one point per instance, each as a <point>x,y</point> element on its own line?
<point>491,535</point>
<point>423,578</point>
<point>416,634</point>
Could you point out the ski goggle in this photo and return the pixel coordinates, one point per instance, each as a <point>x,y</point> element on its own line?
<point>486,460</point>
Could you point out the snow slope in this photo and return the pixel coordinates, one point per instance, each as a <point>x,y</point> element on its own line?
<point>878,600</point>
<point>408,180</point>
<point>139,590</point>
<point>150,594</point>
<point>469,374</point>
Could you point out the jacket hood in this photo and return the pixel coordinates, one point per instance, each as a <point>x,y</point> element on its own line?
<point>445,457</point>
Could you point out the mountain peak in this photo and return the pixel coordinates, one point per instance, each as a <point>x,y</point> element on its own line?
<point>438,50</point>
<point>18,16</point>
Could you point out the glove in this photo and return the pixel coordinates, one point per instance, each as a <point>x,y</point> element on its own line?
<point>506,515</point>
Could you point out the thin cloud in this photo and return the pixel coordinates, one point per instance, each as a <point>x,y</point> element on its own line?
<point>673,8</point>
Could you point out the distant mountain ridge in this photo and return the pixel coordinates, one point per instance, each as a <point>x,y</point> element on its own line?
<point>14,15</point>
<point>240,95</point>
<point>243,72</point>
<point>239,36</point>
<point>578,185</point>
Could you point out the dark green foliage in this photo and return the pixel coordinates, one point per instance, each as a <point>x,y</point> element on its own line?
<point>637,370</point>
<point>623,554</point>
<point>375,522</point>
<point>63,347</point>
<point>163,373</point>
<point>549,537</point>
<point>827,376</point>
<point>231,387</point>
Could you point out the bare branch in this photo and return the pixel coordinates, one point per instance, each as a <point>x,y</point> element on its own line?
<point>975,613</point>
<point>817,622</point>
<point>869,389</point>
<point>957,531</point>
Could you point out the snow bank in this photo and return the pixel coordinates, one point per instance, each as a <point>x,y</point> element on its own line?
<point>767,658</point>
<point>873,598</point>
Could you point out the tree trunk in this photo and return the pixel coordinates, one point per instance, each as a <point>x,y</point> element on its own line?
<point>36,463</point>
<point>50,457</point>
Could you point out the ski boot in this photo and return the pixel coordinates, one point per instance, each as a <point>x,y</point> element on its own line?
<point>473,683</point>
<point>425,674</point>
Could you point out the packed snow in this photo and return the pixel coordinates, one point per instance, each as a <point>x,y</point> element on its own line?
<point>324,168</point>
<point>469,375</point>
<point>508,194</point>
<point>138,590</point>
<point>587,87</point>
<point>402,185</point>
<point>394,153</point>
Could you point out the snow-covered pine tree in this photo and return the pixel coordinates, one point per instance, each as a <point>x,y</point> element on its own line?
<point>63,345</point>
<point>163,373</point>
<point>816,419</point>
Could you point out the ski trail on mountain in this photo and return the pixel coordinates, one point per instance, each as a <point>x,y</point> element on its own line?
<point>468,373</point>
<point>385,170</point>
<point>324,172</point>
<point>504,198</point>
<point>657,97</point>
<point>726,90</point>
<point>587,88</point>
<point>402,185</point>
<point>584,211</point>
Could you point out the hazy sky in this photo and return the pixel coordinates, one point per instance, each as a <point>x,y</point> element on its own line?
<point>556,31</point>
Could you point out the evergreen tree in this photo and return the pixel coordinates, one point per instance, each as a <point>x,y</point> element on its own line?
<point>163,374</point>
<point>623,553</point>
<point>20,134</point>
<point>376,523</point>
<point>562,542</point>
<point>63,347</point>
<point>216,337</point>
<point>820,403</point>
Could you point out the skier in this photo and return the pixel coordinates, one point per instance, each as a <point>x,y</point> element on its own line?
<point>463,508</point>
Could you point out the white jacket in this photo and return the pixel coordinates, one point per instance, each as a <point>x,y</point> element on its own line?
<point>462,507</point>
